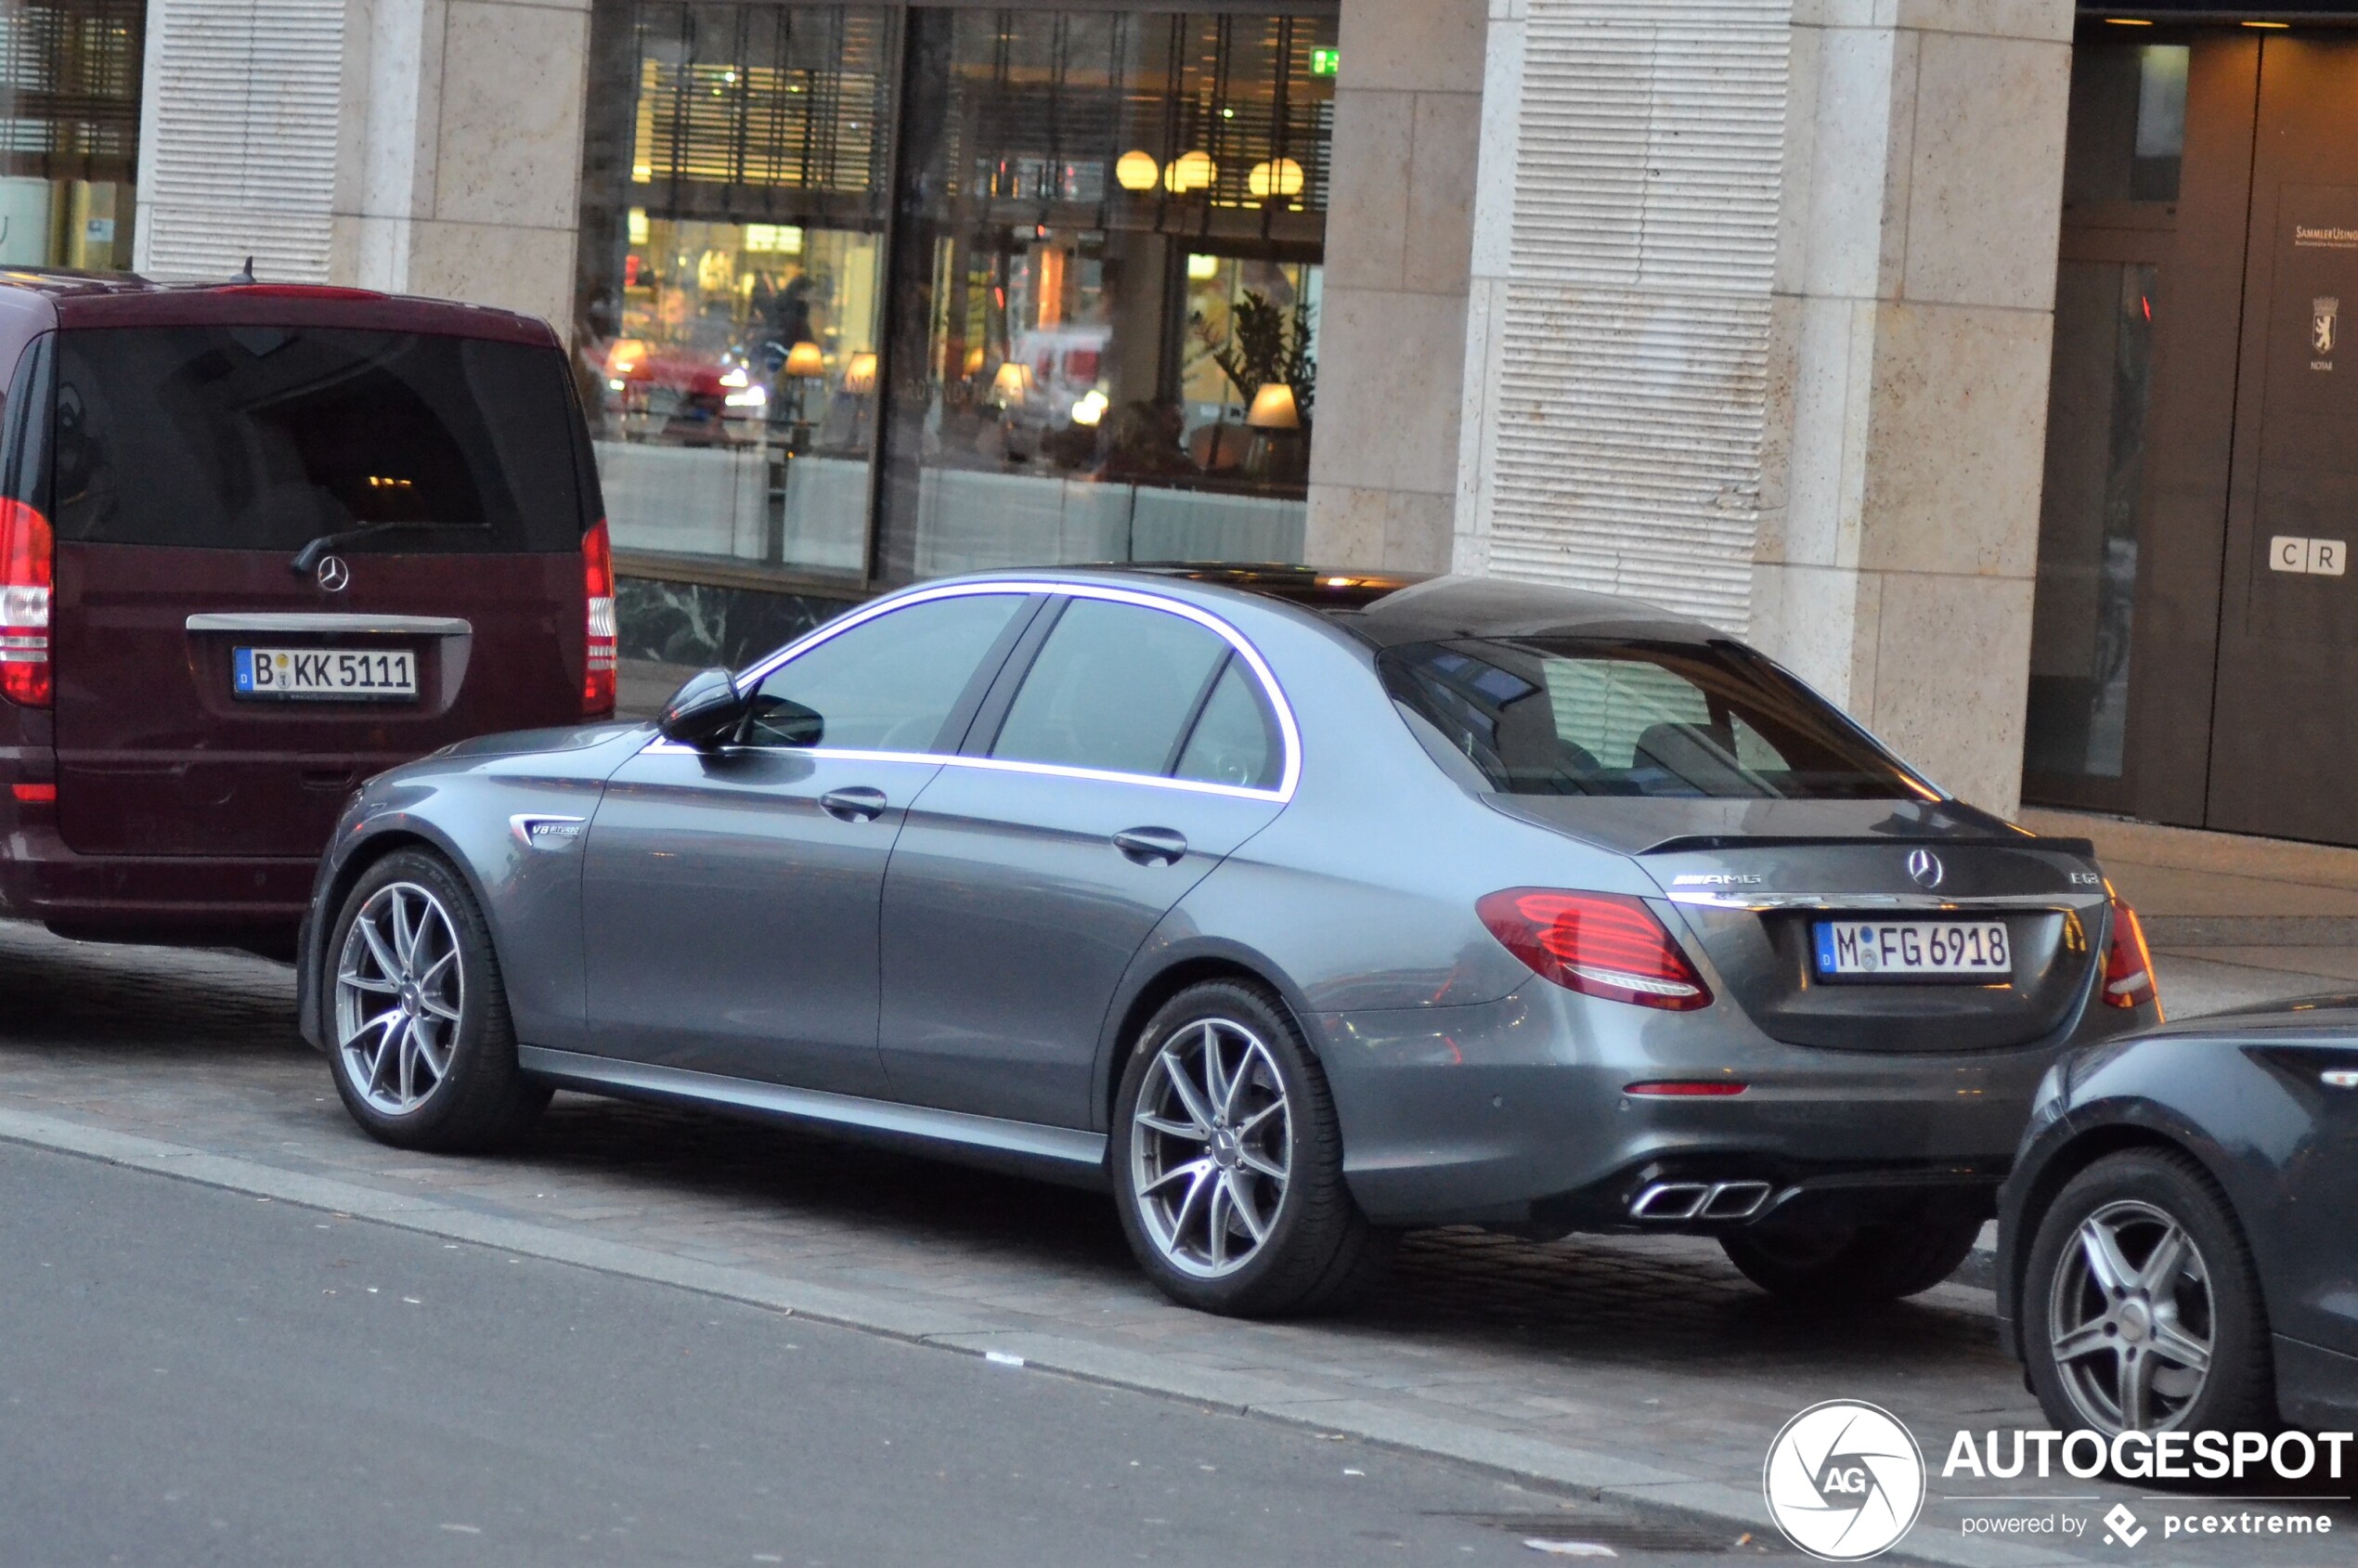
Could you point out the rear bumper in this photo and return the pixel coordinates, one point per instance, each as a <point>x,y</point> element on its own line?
<point>1514,1113</point>
<point>42,878</point>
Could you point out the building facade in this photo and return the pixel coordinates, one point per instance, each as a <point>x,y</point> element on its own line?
<point>1931,345</point>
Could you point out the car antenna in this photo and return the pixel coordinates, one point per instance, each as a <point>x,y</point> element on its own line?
<point>247,276</point>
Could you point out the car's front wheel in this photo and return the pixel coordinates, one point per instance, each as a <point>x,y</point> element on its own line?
<point>1228,1160</point>
<point>1850,1264</point>
<point>422,1050</point>
<point>2141,1306</point>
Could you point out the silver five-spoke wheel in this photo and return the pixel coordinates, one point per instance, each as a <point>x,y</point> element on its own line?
<point>1210,1148</point>
<point>399,992</point>
<point>2130,1318</point>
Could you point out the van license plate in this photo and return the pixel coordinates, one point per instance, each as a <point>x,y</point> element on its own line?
<point>1913,950</point>
<point>348,674</point>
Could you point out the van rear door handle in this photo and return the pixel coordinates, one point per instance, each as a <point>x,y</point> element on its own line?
<point>857,804</point>
<point>1148,845</point>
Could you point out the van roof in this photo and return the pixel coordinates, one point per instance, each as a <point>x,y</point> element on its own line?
<point>74,300</point>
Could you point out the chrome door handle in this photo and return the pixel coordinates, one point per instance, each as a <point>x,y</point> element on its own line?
<point>859,803</point>
<point>1149,844</point>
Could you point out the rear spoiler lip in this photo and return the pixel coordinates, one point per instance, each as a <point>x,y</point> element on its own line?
<point>1706,843</point>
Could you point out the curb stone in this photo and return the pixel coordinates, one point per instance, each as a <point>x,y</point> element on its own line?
<point>1596,1475</point>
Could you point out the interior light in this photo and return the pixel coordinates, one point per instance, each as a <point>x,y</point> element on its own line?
<point>2272,25</point>
<point>1136,171</point>
<point>1190,171</point>
<point>1202,268</point>
<point>1279,176</point>
<point>1089,410</point>
<point>860,375</point>
<point>2127,21</point>
<point>806,360</point>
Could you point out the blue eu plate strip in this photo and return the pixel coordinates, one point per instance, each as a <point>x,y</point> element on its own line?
<point>244,676</point>
<point>1825,949</point>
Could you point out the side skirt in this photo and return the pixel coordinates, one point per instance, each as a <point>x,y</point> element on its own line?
<point>1061,1154</point>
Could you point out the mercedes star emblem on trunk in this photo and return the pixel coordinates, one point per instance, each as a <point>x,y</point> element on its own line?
<point>1924,868</point>
<point>333,575</point>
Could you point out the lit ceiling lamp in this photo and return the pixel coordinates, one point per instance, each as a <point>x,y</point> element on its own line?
<point>2127,21</point>
<point>1273,408</point>
<point>1279,177</point>
<point>805,360</point>
<point>1136,171</point>
<point>2272,26</point>
<point>860,375</point>
<point>1190,171</point>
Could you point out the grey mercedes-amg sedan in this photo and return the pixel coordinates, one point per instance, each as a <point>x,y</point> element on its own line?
<point>1299,909</point>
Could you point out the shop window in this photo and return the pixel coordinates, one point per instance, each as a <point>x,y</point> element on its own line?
<point>1111,233</point>
<point>2077,729</point>
<point>69,146</point>
<point>2128,122</point>
<point>733,260</point>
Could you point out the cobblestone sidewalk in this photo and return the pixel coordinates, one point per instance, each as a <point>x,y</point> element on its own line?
<point>1643,1368</point>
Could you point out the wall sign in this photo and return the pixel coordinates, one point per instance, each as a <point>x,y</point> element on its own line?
<point>2318,558</point>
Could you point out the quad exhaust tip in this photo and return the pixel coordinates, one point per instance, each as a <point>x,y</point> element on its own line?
<point>1673,1202</point>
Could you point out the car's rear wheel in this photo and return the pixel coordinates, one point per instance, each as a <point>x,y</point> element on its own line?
<point>1843,1264</point>
<point>2141,1306</point>
<point>1228,1161</point>
<point>422,1050</point>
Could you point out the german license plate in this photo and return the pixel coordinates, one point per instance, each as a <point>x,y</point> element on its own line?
<point>1913,950</point>
<point>350,674</point>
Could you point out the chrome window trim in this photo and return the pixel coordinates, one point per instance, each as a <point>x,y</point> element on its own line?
<point>1289,732</point>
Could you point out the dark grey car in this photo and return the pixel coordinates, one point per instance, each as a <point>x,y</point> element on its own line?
<point>1302,909</point>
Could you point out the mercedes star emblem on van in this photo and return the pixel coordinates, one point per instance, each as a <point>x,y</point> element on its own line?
<point>333,574</point>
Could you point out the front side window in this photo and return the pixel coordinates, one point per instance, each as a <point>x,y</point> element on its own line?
<point>1118,688</point>
<point>888,684</point>
<point>1582,716</point>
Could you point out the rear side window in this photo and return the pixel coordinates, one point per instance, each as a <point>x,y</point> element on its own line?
<point>888,684</point>
<point>1579,716</point>
<point>1124,689</point>
<point>266,437</point>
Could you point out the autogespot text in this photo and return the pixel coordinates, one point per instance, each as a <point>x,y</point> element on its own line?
<point>2139,1455</point>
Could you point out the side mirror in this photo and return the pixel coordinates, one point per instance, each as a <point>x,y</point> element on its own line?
<point>707,711</point>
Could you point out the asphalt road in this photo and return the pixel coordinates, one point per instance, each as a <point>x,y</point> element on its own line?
<point>190,1376</point>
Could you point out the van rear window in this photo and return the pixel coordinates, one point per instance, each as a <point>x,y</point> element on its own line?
<point>266,437</point>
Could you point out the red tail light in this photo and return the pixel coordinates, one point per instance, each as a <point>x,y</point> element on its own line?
<point>1600,944</point>
<point>597,670</point>
<point>28,554</point>
<point>2129,964</point>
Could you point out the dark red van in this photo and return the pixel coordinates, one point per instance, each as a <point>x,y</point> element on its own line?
<point>258,542</point>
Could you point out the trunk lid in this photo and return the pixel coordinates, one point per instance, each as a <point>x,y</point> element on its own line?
<point>1753,878</point>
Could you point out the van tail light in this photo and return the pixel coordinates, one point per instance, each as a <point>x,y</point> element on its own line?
<point>1598,945</point>
<point>597,669</point>
<point>28,558</point>
<point>2129,963</point>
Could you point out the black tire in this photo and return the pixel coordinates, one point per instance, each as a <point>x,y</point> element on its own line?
<point>482,1100</point>
<point>1317,1251</point>
<point>2238,1392</point>
<point>1854,1264</point>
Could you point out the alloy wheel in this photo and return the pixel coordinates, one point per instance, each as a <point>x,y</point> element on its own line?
<point>1210,1148</point>
<point>400,989</point>
<point>2131,1319</point>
